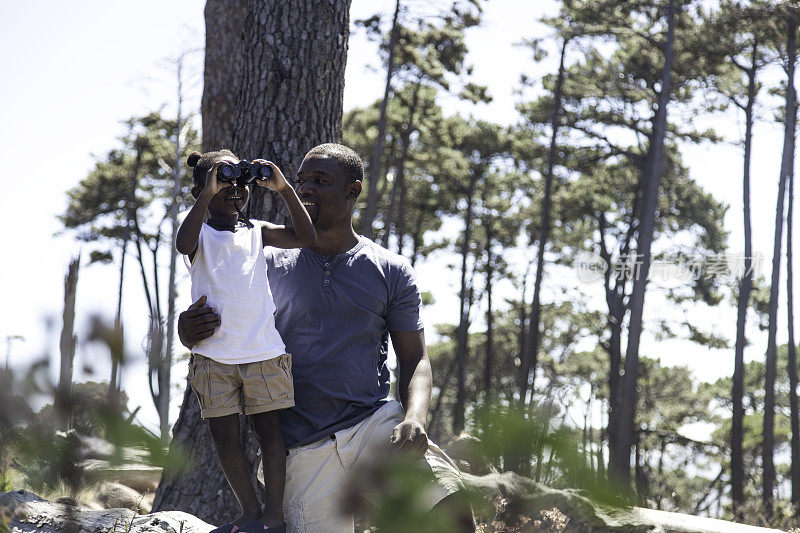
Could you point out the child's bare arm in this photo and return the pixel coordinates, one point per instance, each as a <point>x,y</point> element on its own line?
<point>303,232</point>
<point>189,232</point>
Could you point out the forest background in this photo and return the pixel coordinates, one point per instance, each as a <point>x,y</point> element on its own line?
<point>75,81</point>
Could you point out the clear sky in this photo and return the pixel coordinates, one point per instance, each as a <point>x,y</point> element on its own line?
<point>72,71</point>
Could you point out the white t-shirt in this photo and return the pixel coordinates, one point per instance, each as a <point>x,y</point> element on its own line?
<point>230,270</point>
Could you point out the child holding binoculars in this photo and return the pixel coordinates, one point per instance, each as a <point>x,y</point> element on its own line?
<point>243,366</point>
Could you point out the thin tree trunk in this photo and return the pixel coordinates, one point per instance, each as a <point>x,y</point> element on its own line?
<point>617,308</point>
<point>639,475</point>
<point>417,238</point>
<point>530,357</point>
<point>601,465</point>
<point>384,186</point>
<point>143,272</point>
<point>377,153</point>
<point>793,378</point>
<point>437,408</point>
<point>279,115</point>
<point>401,211</point>
<point>63,399</point>
<point>131,226</point>
<point>400,171</point>
<point>387,228</point>
<point>743,303</point>
<point>792,357</point>
<point>112,383</point>
<point>625,437</point>
<point>523,316</point>
<point>165,372</point>
<point>450,369</point>
<point>768,447</point>
<point>155,337</point>
<point>156,270</point>
<point>487,365</point>
<point>662,449</point>
<point>614,380</point>
<point>463,322</point>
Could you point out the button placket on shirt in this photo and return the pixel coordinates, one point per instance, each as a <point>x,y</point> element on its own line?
<point>326,276</point>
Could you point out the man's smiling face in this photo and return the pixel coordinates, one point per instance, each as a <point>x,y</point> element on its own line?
<point>325,192</point>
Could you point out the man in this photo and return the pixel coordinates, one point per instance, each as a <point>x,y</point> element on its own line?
<point>337,303</point>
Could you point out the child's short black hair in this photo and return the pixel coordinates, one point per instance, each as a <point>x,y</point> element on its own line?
<point>202,163</point>
<point>345,158</point>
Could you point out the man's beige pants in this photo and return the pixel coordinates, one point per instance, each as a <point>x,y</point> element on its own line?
<point>317,474</point>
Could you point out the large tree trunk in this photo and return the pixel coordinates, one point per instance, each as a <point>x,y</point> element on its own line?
<point>292,86</point>
<point>743,304</point>
<point>375,166</point>
<point>530,358</point>
<point>620,463</point>
<point>768,447</point>
<point>223,62</point>
<point>290,100</point>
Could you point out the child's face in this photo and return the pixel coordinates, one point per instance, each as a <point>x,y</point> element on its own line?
<point>227,198</point>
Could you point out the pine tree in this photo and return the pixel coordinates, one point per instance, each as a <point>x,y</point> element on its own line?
<point>278,115</point>
<point>740,29</point>
<point>787,18</point>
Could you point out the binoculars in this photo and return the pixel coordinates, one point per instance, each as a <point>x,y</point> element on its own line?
<point>243,172</point>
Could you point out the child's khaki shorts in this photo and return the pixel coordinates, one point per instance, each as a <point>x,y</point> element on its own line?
<point>250,388</point>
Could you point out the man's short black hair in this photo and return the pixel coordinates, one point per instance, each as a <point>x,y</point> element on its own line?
<point>202,163</point>
<point>345,158</point>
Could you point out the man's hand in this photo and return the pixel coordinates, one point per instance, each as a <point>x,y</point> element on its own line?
<point>198,322</point>
<point>409,437</point>
<point>277,181</point>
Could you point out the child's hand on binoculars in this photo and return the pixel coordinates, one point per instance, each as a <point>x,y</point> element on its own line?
<point>213,186</point>
<point>277,181</point>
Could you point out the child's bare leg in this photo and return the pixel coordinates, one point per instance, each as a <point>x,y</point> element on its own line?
<point>273,455</point>
<point>225,432</point>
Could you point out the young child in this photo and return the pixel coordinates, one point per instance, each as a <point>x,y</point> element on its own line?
<point>243,365</point>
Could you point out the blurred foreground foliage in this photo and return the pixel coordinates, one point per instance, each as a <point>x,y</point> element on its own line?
<point>55,453</point>
<point>575,496</point>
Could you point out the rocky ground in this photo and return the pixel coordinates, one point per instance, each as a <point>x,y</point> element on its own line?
<point>123,496</point>
<point>545,510</point>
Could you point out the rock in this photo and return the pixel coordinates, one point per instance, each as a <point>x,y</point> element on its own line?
<point>147,499</point>
<point>28,512</point>
<point>679,523</point>
<point>522,497</point>
<point>102,461</point>
<point>97,448</point>
<point>115,495</point>
<point>140,477</point>
<point>465,450</point>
